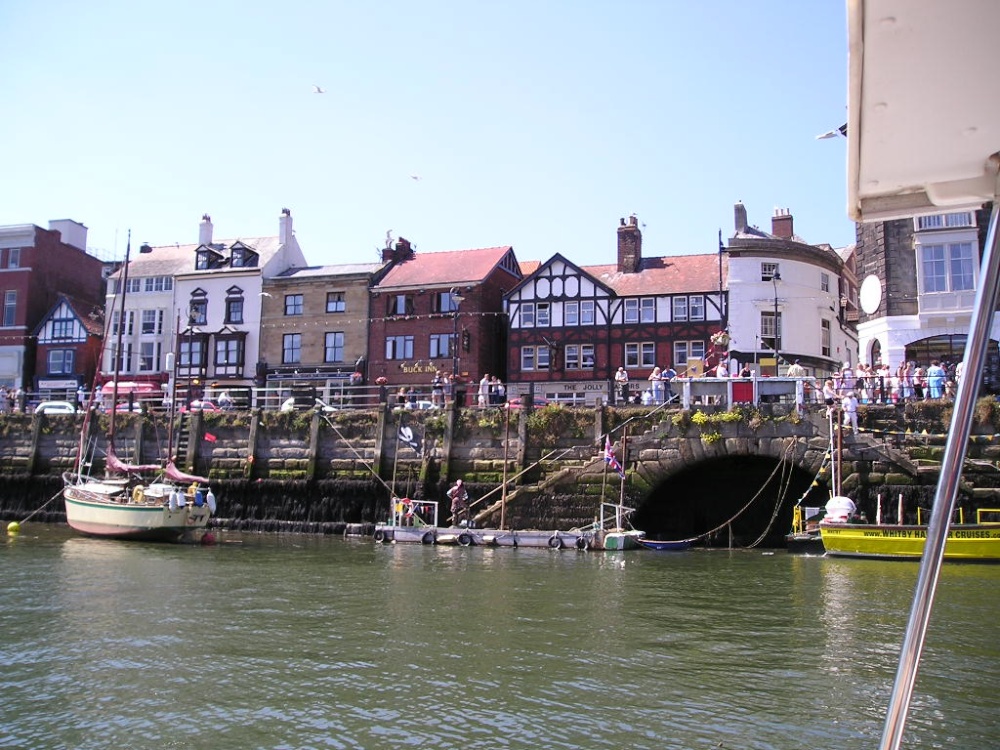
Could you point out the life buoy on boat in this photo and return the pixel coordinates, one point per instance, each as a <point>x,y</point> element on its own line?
<point>465,539</point>
<point>379,536</point>
<point>581,542</point>
<point>138,494</point>
<point>555,542</point>
<point>427,538</point>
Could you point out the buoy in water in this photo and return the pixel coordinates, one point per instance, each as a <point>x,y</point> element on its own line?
<point>13,527</point>
<point>207,539</point>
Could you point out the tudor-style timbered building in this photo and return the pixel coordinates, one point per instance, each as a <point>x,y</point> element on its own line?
<point>571,327</point>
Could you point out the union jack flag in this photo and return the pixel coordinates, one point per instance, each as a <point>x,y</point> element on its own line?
<point>610,459</point>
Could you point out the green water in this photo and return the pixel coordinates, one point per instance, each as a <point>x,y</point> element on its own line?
<point>322,642</point>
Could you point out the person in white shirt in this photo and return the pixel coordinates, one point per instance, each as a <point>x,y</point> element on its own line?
<point>850,407</point>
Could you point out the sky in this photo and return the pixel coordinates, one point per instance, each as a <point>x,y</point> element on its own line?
<point>455,124</point>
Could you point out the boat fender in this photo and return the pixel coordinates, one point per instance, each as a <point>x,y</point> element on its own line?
<point>581,542</point>
<point>210,499</point>
<point>173,500</point>
<point>199,499</point>
<point>138,494</point>
<point>465,539</point>
<point>555,542</point>
<point>427,538</point>
<point>379,536</point>
<point>181,499</point>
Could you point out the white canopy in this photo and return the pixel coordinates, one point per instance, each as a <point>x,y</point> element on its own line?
<point>923,124</point>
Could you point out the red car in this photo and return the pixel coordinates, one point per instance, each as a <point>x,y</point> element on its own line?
<point>538,402</point>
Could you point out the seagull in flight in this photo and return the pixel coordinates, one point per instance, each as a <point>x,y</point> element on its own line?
<point>414,177</point>
<point>265,294</point>
<point>318,90</point>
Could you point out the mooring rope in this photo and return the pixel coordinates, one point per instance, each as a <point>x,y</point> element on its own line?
<point>40,507</point>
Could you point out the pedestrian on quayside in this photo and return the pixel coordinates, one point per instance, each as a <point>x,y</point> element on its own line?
<point>459,504</point>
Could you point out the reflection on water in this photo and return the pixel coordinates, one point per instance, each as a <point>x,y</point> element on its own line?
<point>295,642</point>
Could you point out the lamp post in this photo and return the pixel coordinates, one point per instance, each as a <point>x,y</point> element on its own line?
<point>456,300</point>
<point>775,278</point>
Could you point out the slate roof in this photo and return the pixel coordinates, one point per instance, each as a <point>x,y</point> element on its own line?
<point>449,267</point>
<point>343,269</point>
<point>171,260</point>
<point>674,274</point>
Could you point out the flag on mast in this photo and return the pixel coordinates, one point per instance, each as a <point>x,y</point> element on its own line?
<point>610,458</point>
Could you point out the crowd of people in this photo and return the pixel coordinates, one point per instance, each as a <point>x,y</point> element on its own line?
<point>908,382</point>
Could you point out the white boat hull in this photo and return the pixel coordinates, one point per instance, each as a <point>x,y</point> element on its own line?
<point>105,509</point>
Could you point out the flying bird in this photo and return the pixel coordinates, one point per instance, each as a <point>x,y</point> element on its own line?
<point>318,90</point>
<point>264,294</point>
<point>414,177</point>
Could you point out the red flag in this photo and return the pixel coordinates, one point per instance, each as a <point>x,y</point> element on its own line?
<point>210,437</point>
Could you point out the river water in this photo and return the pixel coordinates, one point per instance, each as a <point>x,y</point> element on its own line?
<point>288,641</point>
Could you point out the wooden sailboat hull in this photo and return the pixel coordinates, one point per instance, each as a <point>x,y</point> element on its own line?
<point>965,542</point>
<point>113,517</point>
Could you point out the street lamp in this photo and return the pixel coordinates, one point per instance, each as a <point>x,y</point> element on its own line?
<point>775,278</point>
<point>456,300</point>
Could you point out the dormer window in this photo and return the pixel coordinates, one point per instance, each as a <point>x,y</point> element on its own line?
<point>242,256</point>
<point>206,258</point>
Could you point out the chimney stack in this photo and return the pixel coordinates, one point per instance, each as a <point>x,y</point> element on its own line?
<point>205,230</point>
<point>285,227</point>
<point>781,223</point>
<point>740,213</point>
<point>629,246</point>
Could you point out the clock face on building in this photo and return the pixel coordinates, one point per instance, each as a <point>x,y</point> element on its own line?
<point>871,294</point>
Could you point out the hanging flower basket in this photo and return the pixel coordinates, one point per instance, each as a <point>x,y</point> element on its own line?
<point>720,339</point>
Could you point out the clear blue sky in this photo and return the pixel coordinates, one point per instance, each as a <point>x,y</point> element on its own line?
<point>535,124</point>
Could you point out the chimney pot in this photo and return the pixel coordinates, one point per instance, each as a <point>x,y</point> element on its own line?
<point>205,230</point>
<point>781,223</point>
<point>740,214</point>
<point>629,246</point>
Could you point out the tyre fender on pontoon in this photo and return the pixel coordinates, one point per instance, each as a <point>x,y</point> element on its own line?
<point>581,542</point>
<point>465,539</point>
<point>427,538</point>
<point>555,542</point>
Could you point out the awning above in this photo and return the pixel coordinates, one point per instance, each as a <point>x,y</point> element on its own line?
<point>923,122</point>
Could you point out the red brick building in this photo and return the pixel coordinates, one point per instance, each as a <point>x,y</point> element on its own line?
<point>440,312</point>
<point>37,266</point>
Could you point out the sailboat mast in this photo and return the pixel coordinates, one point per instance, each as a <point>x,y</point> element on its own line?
<point>621,492</point>
<point>117,354</point>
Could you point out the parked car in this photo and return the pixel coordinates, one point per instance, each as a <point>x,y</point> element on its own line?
<point>538,402</point>
<point>198,405</point>
<point>55,407</point>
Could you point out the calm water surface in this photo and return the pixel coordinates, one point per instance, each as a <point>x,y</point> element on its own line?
<point>319,642</point>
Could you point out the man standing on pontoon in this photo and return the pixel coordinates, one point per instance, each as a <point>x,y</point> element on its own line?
<point>459,503</point>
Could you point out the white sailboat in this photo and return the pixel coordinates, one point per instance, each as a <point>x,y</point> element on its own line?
<point>121,505</point>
